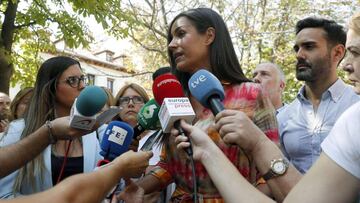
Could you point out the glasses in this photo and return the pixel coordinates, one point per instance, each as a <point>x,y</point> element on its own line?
<point>74,81</point>
<point>134,99</point>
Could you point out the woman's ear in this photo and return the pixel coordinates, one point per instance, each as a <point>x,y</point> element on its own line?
<point>210,35</point>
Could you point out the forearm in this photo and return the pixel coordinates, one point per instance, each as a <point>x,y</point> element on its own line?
<point>81,188</point>
<point>232,186</point>
<point>23,151</point>
<point>93,187</point>
<point>149,183</point>
<point>266,151</point>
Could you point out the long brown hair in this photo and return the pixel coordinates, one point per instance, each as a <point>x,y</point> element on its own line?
<point>16,101</point>
<point>41,109</point>
<point>223,60</point>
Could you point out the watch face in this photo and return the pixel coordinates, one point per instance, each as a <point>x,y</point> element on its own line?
<point>279,167</point>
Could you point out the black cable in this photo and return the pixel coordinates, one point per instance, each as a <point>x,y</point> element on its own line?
<point>189,152</point>
<point>194,179</point>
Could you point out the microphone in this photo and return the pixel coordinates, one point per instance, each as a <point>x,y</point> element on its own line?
<point>147,118</point>
<point>166,86</point>
<point>168,92</point>
<point>116,141</point>
<point>89,102</point>
<point>207,89</point>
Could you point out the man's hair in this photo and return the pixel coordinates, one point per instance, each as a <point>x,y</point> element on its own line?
<point>335,33</point>
<point>277,67</point>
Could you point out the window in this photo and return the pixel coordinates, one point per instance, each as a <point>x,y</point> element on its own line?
<point>91,79</point>
<point>110,85</point>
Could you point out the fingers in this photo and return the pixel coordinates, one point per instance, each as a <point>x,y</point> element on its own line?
<point>147,154</point>
<point>230,119</point>
<point>225,113</point>
<point>187,127</point>
<point>174,132</point>
<point>182,142</point>
<point>230,138</point>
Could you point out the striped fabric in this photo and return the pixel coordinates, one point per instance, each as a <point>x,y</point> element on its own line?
<point>175,166</point>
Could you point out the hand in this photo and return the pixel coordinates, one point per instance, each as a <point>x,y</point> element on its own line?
<point>134,145</point>
<point>133,164</point>
<point>200,141</point>
<point>132,193</point>
<point>235,127</point>
<point>4,125</point>
<point>62,131</point>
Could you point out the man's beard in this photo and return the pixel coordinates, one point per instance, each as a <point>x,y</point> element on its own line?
<point>310,72</point>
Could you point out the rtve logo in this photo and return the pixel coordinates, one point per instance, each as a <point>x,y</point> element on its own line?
<point>198,80</point>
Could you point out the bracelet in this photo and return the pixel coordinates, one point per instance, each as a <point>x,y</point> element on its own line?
<point>52,139</point>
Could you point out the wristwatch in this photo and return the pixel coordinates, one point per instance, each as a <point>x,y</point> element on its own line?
<point>278,167</point>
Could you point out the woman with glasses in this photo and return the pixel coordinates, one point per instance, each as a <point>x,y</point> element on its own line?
<point>59,81</point>
<point>131,97</point>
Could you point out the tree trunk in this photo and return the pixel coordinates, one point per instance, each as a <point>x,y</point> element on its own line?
<point>6,41</point>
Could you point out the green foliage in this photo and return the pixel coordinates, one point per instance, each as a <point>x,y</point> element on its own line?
<point>33,33</point>
<point>261,30</point>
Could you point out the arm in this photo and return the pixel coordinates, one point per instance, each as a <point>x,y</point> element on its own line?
<point>37,142</point>
<point>232,186</point>
<point>236,128</point>
<point>149,184</point>
<point>20,154</point>
<point>92,187</point>
<point>326,182</point>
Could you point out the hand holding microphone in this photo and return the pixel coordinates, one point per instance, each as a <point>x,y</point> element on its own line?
<point>168,92</point>
<point>200,141</point>
<point>61,129</point>
<point>234,126</point>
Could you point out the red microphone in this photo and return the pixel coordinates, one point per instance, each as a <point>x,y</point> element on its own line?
<point>175,106</point>
<point>166,86</point>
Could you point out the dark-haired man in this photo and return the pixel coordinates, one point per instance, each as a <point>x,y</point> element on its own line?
<point>304,124</point>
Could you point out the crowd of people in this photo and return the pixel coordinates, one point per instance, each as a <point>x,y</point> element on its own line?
<point>258,149</point>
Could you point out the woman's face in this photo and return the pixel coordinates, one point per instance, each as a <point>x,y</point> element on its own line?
<point>69,86</point>
<point>131,102</point>
<point>352,60</point>
<point>189,48</point>
<point>23,104</point>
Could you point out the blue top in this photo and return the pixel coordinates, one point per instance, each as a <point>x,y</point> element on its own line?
<point>91,156</point>
<point>302,129</point>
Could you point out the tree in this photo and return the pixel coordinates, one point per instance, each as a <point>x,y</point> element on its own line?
<point>25,31</point>
<point>261,30</point>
